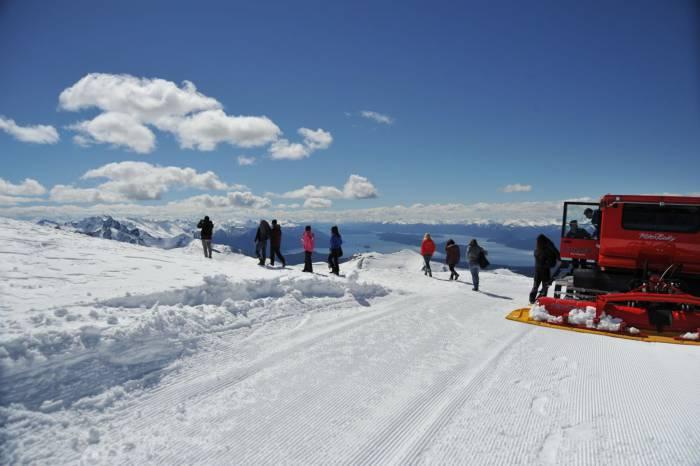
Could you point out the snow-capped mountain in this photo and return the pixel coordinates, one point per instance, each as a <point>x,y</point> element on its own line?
<point>158,233</point>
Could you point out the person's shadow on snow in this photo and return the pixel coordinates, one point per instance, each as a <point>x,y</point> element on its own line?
<point>491,295</point>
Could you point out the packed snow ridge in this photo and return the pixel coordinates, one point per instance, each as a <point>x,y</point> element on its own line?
<point>116,353</point>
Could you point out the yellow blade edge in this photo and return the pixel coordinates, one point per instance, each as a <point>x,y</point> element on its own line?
<point>523,315</point>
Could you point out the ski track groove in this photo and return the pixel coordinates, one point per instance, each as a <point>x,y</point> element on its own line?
<point>579,400</point>
<point>328,412</point>
<point>200,391</point>
<point>395,433</point>
<point>469,391</point>
<point>289,412</point>
<point>288,415</point>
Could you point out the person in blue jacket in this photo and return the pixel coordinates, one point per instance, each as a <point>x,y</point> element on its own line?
<point>336,251</point>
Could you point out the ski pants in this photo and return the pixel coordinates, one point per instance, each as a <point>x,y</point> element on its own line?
<point>426,267</point>
<point>454,273</point>
<point>542,277</point>
<point>307,262</point>
<point>206,245</point>
<point>261,251</point>
<point>333,261</point>
<point>474,269</point>
<point>275,251</point>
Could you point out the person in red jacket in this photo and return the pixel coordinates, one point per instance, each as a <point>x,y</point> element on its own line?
<point>427,249</point>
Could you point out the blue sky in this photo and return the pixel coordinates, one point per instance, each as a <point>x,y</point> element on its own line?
<point>572,99</point>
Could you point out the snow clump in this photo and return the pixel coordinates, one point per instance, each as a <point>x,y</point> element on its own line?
<point>540,314</point>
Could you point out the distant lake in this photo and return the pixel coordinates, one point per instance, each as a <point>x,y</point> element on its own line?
<point>357,242</point>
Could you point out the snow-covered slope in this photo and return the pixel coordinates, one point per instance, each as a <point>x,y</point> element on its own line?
<point>117,353</point>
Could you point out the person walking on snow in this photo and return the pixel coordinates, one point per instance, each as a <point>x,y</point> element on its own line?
<point>336,250</point>
<point>545,258</point>
<point>452,258</point>
<point>261,237</point>
<point>276,244</point>
<point>476,257</point>
<point>207,227</point>
<point>308,242</point>
<point>427,249</point>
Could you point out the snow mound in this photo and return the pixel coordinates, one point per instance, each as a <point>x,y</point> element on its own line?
<point>77,351</point>
<point>219,290</point>
<point>695,336</point>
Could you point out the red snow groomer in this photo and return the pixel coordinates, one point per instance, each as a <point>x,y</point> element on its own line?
<point>634,270</point>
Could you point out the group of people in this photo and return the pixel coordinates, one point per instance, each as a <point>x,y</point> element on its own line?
<point>272,233</point>
<point>476,258</point>
<point>546,254</point>
<point>308,242</point>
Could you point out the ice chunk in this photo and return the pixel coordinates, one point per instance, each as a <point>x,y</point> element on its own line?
<point>609,323</point>
<point>579,316</point>
<point>540,314</point>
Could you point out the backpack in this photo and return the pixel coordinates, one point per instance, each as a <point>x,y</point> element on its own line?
<point>483,261</point>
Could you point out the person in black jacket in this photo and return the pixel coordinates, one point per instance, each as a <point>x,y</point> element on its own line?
<point>545,259</point>
<point>261,237</point>
<point>207,228</point>
<point>276,244</point>
<point>336,251</point>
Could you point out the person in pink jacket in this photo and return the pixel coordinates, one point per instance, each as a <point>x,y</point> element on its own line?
<point>307,240</point>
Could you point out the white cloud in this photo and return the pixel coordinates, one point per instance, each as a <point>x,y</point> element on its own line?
<point>205,130</point>
<point>130,105</point>
<point>356,187</point>
<point>312,140</point>
<point>359,187</point>
<point>134,181</point>
<point>67,193</point>
<point>149,100</point>
<point>316,139</point>
<point>378,117</point>
<point>282,149</point>
<point>245,161</point>
<point>14,200</point>
<point>28,187</point>
<point>38,134</point>
<point>310,191</point>
<point>144,181</point>
<point>294,205</point>
<point>517,188</point>
<point>317,203</point>
<point>232,199</point>
<point>118,129</point>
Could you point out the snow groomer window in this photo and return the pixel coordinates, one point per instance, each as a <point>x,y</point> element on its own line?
<point>654,217</point>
